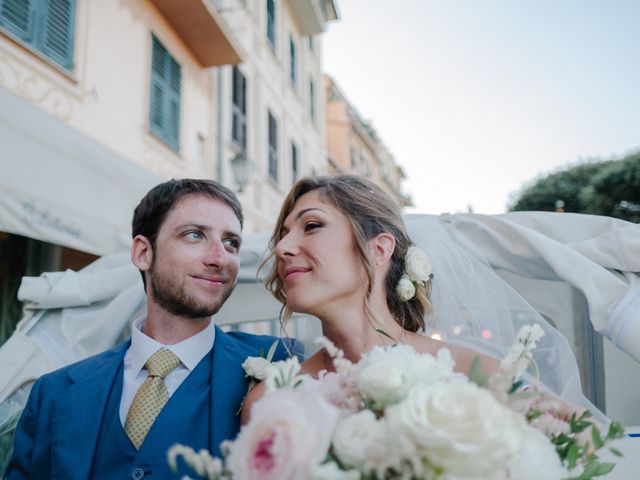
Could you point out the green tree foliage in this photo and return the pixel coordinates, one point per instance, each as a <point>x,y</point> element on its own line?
<point>564,185</point>
<point>609,187</point>
<point>615,190</point>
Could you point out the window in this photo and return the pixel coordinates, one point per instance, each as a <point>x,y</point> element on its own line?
<point>271,23</point>
<point>273,148</point>
<point>239,110</point>
<point>294,163</point>
<point>292,62</point>
<point>164,104</point>
<point>312,100</point>
<point>45,25</point>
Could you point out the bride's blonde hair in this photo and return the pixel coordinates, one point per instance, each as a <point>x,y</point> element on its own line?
<point>370,211</point>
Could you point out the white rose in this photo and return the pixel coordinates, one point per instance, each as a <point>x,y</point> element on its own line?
<point>355,436</point>
<point>383,382</point>
<point>385,375</point>
<point>361,441</point>
<point>331,471</point>
<point>458,427</point>
<point>256,367</point>
<point>405,288</point>
<point>417,265</point>
<point>537,459</point>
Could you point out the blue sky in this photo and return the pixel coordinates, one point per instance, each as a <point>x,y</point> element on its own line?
<point>477,97</point>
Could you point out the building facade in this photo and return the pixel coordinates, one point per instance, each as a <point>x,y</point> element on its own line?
<point>272,104</point>
<point>100,100</point>
<point>354,146</point>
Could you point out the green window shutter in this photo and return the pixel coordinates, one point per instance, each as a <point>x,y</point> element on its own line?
<point>164,104</point>
<point>47,26</point>
<point>173,118</point>
<point>156,108</point>
<point>57,32</point>
<point>16,16</point>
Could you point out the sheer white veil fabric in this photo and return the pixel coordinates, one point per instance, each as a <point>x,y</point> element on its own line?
<point>475,308</point>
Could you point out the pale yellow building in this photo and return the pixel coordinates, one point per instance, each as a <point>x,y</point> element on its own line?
<point>102,99</point>
<point>272,113</point>
<point>354,146</point>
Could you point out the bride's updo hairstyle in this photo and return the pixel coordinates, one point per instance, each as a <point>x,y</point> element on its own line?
<point>370,211</point>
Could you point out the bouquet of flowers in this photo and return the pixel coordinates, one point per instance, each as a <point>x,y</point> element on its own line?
<point>399,414</point>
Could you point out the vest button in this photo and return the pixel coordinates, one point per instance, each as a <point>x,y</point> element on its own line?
<point>137,473</point>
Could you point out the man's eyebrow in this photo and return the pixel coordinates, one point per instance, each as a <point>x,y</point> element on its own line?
<point>192,225</point>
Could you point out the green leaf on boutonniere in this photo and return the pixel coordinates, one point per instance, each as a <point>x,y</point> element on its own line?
<point>272,351</point>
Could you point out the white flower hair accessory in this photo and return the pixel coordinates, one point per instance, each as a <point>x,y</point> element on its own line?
<point>417,271</point>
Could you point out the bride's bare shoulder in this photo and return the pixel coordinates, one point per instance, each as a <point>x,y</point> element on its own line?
<point>314,364</point>
<point>463,357</point>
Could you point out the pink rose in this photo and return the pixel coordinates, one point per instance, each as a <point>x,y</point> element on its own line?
<point>289,431</point>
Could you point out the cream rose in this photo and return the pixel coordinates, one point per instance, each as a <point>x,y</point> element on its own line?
<point>459,427</point>
<point>256,367</point>
<point>331,471</point>
<point>417,265</point>
<point>405,288</point>
<point>385,375</point>
<point>355,436</point>
<point>537,459</point>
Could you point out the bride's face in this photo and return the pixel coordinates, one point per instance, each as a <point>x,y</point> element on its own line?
<point>318,261</point>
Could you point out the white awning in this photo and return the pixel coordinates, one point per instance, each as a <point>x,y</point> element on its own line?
<point>60,186</point>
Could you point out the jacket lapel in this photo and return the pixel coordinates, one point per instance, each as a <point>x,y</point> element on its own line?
<point>228,388</point>
<point>77,415</point>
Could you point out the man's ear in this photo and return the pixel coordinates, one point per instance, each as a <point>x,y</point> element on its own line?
<point>141,253</point>
<point>382,247</point>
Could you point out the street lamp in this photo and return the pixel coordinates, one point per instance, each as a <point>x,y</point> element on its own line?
<point>240,167</point>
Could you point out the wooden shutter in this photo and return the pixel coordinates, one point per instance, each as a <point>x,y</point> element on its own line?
<point>16,16</point>
<point>164,102</point>
<point>57,31</point>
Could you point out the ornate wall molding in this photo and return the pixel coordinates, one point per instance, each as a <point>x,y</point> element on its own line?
<point>24,80</point>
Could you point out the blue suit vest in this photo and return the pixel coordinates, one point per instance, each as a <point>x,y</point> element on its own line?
<point>184,419</point>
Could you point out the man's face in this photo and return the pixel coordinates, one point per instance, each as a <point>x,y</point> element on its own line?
<point>195,260</point>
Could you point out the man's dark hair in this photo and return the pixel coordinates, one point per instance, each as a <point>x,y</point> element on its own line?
<point>154,207</point>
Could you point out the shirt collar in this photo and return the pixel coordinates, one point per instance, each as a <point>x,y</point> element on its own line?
<point>190,351</point>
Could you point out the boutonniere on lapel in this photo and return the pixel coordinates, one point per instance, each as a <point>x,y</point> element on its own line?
<point>256,368</point>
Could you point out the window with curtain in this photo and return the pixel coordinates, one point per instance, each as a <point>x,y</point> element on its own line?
<point>45,26</point>
<point>164,103</point>
<point>273,148</point>
<point>239,109</point>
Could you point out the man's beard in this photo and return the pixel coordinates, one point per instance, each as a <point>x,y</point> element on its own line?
<point>177,302</point>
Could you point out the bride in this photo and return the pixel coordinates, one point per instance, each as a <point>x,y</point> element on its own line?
<point>339,252</point>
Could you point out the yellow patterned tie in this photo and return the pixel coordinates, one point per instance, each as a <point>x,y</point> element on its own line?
<point>151,397</point>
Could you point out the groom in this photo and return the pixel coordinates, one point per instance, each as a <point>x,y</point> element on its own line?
<point>177,380</point>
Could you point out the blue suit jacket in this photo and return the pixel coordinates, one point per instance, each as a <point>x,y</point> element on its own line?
<point>58,431</point>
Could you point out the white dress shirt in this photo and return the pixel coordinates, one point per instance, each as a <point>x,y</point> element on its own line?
<point>189,351</point>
